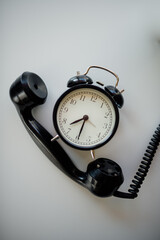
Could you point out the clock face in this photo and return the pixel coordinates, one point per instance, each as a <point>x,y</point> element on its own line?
<point>85,117</point>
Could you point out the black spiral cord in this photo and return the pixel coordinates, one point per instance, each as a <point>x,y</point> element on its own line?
<point>143,167</point>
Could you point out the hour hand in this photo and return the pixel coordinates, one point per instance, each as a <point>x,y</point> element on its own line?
<point>76,121</point>
<point>85,117</point>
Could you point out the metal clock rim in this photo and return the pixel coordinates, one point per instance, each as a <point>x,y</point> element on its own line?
<point>54,117</point>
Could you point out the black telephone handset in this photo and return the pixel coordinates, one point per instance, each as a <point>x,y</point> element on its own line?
<point>103,176</point>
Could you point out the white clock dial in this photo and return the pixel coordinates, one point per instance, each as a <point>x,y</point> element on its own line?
<point>86,117</point>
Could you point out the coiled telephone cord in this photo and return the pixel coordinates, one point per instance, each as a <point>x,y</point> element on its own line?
<point>143,167</point>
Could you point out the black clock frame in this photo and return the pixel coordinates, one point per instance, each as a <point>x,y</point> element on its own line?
<point>89,87</point>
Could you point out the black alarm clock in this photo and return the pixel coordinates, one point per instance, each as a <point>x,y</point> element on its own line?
<point>86,116</point>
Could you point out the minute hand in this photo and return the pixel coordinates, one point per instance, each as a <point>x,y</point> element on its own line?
<point>81,128</point>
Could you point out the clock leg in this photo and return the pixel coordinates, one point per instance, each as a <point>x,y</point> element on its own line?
<point>55,138</point>
<point>93,154</point>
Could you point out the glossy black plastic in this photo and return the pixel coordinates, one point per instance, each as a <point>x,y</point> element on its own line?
<point>102,177</point>
<point>116,95</point>
<point>27,92</point>
<point>79,79</point>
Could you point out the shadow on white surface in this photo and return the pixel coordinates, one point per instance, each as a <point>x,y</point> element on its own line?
<point>55,39</point>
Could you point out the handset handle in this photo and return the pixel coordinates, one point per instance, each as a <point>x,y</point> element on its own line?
<point>27,92</point>
<point>52,150</point>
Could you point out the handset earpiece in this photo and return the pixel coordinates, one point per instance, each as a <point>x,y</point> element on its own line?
<point>28,90</point>
<point>104,177</point>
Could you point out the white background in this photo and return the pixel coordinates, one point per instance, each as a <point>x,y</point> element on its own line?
<point>55,39</point>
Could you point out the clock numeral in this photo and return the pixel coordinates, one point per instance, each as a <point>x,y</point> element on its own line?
<point>76,138</point>
<point>64,120</point>
<point>93,99</point>
<point>82,98</point>
<point>106,114</point>
<point>65,109</point>
<point>69,129</point>
<point>102,104</point>
<point>73,102</point>
<point>105,125</point>
<point>88,139</point>
<point>99,134</point>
